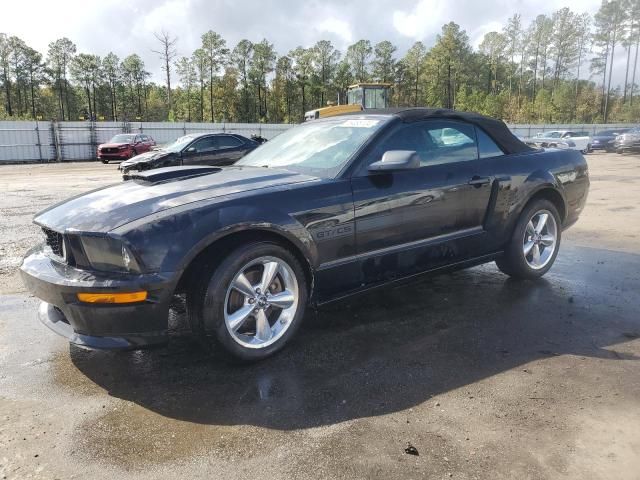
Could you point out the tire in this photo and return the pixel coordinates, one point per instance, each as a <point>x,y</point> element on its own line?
<point>619,151</point>
<point>133,153</point>
<point>515,262</point>
<point>105,161</point>
<point>218,311</point>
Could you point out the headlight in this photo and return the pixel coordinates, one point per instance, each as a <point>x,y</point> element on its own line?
<point>110,255</point>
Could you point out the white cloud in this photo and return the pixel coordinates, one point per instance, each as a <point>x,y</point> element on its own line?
<point>477,35</point>
<point>341,28</point>
<point>166,15</point>
<point>426,18</point>
<point>125,27</point>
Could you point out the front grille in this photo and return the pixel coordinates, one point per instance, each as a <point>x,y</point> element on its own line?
<point>55,241</point>
<point>109,150</point>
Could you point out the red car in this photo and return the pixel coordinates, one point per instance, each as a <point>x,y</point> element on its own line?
<point>125,146</point>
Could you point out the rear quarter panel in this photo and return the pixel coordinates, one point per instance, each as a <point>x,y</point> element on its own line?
<point>519,177</point>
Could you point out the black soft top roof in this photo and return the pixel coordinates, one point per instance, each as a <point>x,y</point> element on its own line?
<point>496,129</point>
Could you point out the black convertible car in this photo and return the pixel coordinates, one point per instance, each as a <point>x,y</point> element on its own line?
<point>326,209</point>
<point>193,149</point>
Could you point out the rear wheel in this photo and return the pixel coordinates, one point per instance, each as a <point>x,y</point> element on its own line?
<point>251,303</point>
<point>535,242</point>
<point>105,161</point>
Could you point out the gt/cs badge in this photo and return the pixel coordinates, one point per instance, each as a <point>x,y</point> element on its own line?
<point>339,231</point>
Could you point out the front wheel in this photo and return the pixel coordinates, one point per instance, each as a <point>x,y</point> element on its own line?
<point>535,242</point>
<point>251,303</point>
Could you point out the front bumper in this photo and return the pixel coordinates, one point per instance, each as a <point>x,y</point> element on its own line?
<point>610,147</point>
<point>628,146</point>
<point>121,155</point>
<point>91,325</point>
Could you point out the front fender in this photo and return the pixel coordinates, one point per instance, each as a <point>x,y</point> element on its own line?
<point>170,240</point>
<point>286,228</point>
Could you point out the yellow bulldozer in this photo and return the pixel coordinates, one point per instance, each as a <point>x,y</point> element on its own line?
<point>360,96</point>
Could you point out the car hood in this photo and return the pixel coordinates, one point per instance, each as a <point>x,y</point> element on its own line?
<point>103,210</point>
<point>145,157</point>
<point>113,145</point>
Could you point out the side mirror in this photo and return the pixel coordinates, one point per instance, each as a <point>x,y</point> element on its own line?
<point>396,160</point>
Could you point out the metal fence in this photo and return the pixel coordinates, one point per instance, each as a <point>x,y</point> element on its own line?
<point>26,141</point>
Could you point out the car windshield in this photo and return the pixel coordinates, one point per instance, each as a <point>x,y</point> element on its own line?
<point>319,148</point>
<point>179,144</point>
<point>123,138</point>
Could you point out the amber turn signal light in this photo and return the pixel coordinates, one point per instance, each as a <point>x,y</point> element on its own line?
<point>130,297</point>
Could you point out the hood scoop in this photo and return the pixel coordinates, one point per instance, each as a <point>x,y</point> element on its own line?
<point>170,173</point>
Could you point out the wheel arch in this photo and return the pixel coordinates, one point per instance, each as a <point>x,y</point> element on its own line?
<point>551,194</point>
<point>224,244</point>
<point>541,186</point>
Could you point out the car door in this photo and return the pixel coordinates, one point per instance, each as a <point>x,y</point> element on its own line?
<point>148,143</point>
<point>200,152</point>
<point>138,145</point>
<point>414,220</point>
<point>229,149</point>
<point>141,145</point>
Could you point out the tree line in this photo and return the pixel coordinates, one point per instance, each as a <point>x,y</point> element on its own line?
<point>558,68</point>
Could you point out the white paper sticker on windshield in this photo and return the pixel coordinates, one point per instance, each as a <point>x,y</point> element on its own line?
<point>359,123</point>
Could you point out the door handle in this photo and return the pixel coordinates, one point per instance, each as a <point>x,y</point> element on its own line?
<point>477,181</point>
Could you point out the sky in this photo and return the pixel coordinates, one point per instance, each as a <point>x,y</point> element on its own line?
<point>125,26</point>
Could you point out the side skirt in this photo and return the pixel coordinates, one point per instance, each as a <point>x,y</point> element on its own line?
<point>415,277</point>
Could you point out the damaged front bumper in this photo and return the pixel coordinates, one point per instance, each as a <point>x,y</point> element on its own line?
<point>99,325</point>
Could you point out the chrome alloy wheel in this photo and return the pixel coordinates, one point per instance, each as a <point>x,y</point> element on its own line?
<point>261,302</point>
<point>540,239</point>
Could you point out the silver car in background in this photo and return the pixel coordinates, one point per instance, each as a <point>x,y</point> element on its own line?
<point>568,139</point>
<point>628,141</point>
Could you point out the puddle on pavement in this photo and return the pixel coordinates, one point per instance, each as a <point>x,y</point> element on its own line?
<point>371,356</point>
<point>66,375</point>
<point>133,438</point>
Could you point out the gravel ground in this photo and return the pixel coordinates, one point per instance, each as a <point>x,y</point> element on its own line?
<point>484,376</point>
<point>27,189</point>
